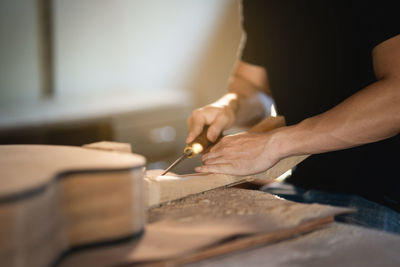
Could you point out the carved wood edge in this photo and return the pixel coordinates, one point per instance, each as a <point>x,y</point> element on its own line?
<point>244,243</point>
<point>162,189</point>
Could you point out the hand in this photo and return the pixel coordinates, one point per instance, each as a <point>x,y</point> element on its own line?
<point>241,154</point>
<point>219,115</point>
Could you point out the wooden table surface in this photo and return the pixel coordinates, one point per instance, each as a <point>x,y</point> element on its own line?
<point>335,245</point>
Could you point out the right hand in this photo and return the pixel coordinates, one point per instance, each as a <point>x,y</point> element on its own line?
<point>218,116</point>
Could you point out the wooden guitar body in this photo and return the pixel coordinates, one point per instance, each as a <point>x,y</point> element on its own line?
<point>57,198</point>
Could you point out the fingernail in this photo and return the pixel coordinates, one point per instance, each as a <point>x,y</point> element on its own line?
<point>199,169</point>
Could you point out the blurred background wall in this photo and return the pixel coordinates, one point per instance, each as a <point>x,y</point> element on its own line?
<point>78,71</point>
<point>19,52</point>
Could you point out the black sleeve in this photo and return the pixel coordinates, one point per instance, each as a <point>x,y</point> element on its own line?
<point>252,25</point>
<point>373,22</point>
<point>381,18</point>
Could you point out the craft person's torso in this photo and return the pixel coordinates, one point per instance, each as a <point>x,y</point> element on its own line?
<point>318,53</point>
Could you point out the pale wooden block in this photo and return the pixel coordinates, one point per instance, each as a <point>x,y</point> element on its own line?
<point>160,189</point>
<point>280,168</point>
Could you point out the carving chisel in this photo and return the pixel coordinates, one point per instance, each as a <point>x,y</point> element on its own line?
<point>200,144</point>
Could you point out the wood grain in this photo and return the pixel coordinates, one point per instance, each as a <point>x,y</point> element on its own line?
<point>24,167</point>
<point>54,198</point>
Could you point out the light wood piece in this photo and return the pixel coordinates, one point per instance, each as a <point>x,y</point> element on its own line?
<point>53,198</point>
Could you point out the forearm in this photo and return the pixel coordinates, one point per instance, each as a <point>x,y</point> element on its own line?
<point>245,86</point>
<point>248,107</point>
<point>241,105</point>
<point>368,116</point>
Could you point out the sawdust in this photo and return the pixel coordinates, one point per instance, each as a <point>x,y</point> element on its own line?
<point>154,174</point>
<point>233,202</point>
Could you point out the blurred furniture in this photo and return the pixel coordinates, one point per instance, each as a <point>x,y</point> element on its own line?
<point>155,125</point>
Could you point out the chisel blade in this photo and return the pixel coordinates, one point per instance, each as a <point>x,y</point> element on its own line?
<point>174,164</point>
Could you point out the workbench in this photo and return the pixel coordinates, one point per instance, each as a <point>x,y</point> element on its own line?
<point>335,244</point>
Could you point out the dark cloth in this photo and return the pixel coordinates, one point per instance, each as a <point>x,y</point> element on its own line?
<point>318,53</point>
<point>368,214</point>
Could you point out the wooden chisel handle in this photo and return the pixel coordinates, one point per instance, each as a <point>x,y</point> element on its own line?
<point>268,124</point>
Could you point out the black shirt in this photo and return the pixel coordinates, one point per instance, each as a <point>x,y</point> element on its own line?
<point>318,53</point>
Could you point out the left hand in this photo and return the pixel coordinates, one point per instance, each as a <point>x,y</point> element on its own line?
<point>240,154</point>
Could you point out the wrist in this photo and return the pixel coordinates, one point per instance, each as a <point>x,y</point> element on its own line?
<point>283,142</point>
<point>229,101</point>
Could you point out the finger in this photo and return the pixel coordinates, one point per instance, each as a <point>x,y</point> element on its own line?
<point>217,160</point>
<point>216,128</point>
<point>205,158</point>
<point>195,126</point>
<point>217,168</point>
<point>210,155</point>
